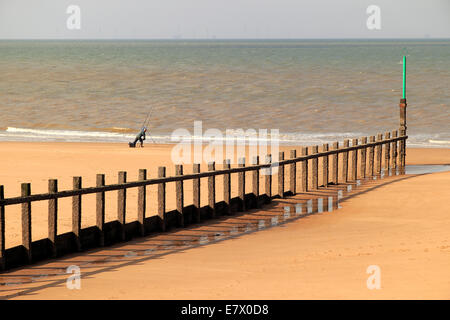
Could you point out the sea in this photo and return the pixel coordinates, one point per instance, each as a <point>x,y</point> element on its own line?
<point>312,91</point>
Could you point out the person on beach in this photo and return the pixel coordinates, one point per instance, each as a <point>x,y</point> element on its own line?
<point>139,137</point>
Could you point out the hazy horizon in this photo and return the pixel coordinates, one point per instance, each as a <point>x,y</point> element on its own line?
<point>213,19</point>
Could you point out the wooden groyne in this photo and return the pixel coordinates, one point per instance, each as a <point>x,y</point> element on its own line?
<point>362,158</point>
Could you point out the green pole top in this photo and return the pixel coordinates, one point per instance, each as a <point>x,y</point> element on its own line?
<point>404,77</point>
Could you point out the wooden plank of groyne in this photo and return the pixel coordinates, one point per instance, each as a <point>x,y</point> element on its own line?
<point>179,195</point>
<point>227,186</point>
<point>315,168</point>
<point>196,191</point>
<point>26,220</point>
<point>394,150</point>
<point>378,152</point>
<point>371,156</point>
<point>162,198</point>
<point>354,161</point>
<point>212,189</point>
<point>304,170</point>
<point>76,211</point>
<point>122,202</point>
<point>281,176</point>
<point>53,215</point>
<point>334,170</point>
<point>387,153</point>
<point>241,183</point>
<point>363,158</point>
<point>100,208</point>
<point>142,201</point>
<point>293,173</point>
<point>268,177</point>
<point>255,180</point>
<point>2,230</point>
<point>325,166</point>
<point>345,161</point>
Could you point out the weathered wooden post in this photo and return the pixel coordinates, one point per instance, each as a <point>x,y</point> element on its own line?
<point>268,177</point>
<point>281,175</point>
<point>371,156</point>
<point>378,149</point>
<point>394,151</point>
<point>345,161</point>
<point>387,153</point>
<point>304,170</point>
<point>100,208</point>
<point>255,180</point>
<point>53,215</point>
<point>363,157</point>
<point>315,168</point>
<point>354,160</point>
<point>402,132</point>
<point>241,183</point>
<point>122,202</point>
<point>142,201</point>
<point>335,168</point>
<point>212,189</point>
<point>227,186</point>
<point>293,173</point>
<point>76,212</point>
<point>196,192</point>
<point>162,198</point>
<point>2,230</point>
<point>325,166</point>
<point>179,194</point>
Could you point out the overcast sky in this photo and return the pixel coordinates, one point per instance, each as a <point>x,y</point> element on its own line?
<point>200,19</point>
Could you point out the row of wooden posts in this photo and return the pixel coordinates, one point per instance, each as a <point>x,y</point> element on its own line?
<point>370,164</point>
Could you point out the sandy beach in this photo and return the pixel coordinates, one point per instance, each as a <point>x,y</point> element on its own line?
<point>400,225</point>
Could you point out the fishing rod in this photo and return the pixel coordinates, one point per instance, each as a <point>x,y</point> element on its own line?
<point>147,121</point>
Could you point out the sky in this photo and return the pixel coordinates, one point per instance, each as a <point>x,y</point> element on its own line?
<point>223,19</point>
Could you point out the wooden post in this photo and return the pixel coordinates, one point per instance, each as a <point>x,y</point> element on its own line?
<point>2,230</point>
<point>212,189</point>
<point>345,161</point>
<point>394,151</point>
<point>196,192</point>
<point>387,153</point>
<point>76,212</point>
<point>255,182</point>
<point>334,170</point>
<point>354,160</point>
<point>315,168</point>
<point>325,166</point>
<point>53,215</point>
<point>293,173</point>
<point>363,157</point>
<point>142,201</point>
<point>26,221</point>
<point>100,208</point>
<point>304,170</point>
<point>402,132</point>
<point>371,157</point>
<point>268,177</point>
<point>179,194</point>
<point>281,175</point>
<point>378,151</point>
<point>122,202</point>
<point>241,183</point>
<point>162,198</point>
<point>227,186</point>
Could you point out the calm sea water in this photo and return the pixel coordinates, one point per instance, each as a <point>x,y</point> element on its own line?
<point>312,91</point>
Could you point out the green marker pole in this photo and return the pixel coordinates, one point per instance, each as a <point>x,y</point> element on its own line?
<point>404,77</point>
